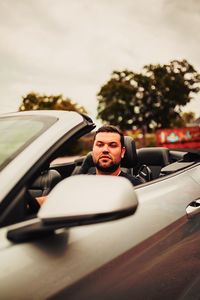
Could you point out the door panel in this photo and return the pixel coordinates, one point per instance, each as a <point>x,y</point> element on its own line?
<point>166,266</point>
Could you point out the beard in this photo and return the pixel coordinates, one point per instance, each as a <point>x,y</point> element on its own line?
<point>107,169</point>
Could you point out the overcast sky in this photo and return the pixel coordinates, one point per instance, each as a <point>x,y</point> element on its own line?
<point>72,47</point>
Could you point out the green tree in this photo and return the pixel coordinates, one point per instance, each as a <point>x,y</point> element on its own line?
<point>184,119</point>
<point>35,101</point>
<point>188,117</point>
<point>150,99</point>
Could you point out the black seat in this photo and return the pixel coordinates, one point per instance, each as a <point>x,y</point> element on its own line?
<point>128,162</point>
<point>40,187</point>
<point>155,158</point>
<point>44,183</point>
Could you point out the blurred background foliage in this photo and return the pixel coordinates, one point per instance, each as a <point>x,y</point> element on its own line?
<point>36,101</point>
<point>138,103</point>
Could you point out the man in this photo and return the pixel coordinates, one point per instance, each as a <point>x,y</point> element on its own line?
<point>108,150</point>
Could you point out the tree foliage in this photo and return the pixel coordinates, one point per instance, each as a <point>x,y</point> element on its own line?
<point>185,119</point>
<point>188,117</point>
<point>150,99</point>
<point>35,101</point>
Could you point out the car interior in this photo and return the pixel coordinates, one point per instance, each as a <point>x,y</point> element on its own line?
<point>154,158</point>
<point>148,163</point>
<point>51,174</point>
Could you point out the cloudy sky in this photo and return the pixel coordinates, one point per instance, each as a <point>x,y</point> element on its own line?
<point>72,47</point>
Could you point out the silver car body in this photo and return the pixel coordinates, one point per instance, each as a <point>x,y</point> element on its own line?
<point>97,261</point>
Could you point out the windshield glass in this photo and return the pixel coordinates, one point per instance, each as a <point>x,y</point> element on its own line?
<point>16,133</point>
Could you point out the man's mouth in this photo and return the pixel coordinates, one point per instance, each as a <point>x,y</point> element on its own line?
<point>105,157</point>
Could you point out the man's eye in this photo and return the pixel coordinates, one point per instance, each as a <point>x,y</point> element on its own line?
<point>113,145</point>
<point>99,145</point>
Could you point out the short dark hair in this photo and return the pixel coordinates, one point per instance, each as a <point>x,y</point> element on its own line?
<point>111,128</point>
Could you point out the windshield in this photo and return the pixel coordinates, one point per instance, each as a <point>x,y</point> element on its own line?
<point>16,133</point>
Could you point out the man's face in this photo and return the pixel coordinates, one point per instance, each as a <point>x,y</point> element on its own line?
<point>107,151</point>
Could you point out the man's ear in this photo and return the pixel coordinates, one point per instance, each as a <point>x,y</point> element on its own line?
<point>123,152</point>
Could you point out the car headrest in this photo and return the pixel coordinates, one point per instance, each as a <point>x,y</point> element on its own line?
<point>128,161</point>
<point>154,156</point>
<point>130,158</point>
<point>87,164</point>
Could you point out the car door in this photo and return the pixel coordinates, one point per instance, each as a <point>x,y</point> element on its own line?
<point>164,262</point>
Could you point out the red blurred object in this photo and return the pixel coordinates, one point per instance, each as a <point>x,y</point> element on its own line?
<point>185,137</point>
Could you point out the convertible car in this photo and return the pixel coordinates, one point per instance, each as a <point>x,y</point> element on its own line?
<point>95,237</point>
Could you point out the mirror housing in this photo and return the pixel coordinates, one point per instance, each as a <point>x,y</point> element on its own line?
<point>86,199</point>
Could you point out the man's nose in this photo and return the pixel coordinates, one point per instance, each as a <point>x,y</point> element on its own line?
<point>105,148</point>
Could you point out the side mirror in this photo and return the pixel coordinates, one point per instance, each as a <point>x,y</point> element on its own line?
<point>86,199</point>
